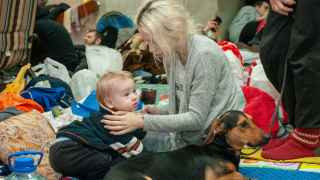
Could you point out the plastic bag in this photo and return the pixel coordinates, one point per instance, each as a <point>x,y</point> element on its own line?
<point>83,83</point>
<point>53,69</point>
<point>260,80</point>
<point>101,59</point>
<point>236,67</point>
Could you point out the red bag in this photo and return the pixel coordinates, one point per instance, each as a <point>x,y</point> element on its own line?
<point>261,106</point>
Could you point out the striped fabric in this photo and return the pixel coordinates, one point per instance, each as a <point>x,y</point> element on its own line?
<point>17,18</point>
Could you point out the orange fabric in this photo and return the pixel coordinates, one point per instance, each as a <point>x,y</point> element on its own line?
<point>84,10</point>
<point>87,8</point>
<point>13,100</point>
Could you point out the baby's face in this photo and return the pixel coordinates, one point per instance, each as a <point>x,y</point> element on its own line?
<point>123,95</point>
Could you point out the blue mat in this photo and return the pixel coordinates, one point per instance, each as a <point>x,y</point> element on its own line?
<point>277,174</point>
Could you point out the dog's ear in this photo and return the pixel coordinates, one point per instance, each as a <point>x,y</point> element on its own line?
<point>217,127</point>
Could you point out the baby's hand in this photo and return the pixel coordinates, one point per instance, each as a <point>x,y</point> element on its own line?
<point>149,109</point>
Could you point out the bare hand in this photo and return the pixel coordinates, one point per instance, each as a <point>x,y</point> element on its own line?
<point>282,6</point>
<point>121,123</point>
<point>211,25</point>
<point>149,109</point>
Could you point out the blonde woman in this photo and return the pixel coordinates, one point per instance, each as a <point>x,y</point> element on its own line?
<point>201,85</point>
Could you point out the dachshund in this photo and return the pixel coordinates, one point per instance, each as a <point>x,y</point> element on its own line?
<point>217,159</point>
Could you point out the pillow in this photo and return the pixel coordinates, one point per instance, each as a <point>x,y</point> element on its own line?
<point>28,131</point>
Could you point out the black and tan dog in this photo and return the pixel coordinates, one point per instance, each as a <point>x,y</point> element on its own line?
<point>218,159</point>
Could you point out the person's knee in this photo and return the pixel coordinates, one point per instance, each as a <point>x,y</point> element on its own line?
<point>54,157</point>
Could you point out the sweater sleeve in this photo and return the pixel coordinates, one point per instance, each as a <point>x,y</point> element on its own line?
<point>205,80</point>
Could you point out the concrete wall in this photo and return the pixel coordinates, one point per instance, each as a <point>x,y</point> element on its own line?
<point>201,10</point>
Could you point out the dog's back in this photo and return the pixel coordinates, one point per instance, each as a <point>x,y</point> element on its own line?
<point>188,163</point>
<point>220,156</point>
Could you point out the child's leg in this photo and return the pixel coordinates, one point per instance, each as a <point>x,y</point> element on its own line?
<point>73,159</point>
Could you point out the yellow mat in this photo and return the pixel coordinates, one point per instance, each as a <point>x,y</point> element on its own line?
<point>257,156</point>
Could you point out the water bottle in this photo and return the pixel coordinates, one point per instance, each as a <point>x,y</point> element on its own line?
<point>23,166</point>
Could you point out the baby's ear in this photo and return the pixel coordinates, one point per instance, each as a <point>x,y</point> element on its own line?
<point>108,103</point>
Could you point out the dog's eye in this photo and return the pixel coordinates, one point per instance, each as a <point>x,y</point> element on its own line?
<point>244,125</point>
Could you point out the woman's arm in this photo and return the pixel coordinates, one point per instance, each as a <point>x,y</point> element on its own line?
<point>207,73</point>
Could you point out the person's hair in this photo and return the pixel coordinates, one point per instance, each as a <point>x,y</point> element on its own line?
<point>218,20</point>
<point>107,81</point>
<point>260,2</point>
<point>98,35</point>
<point>167,22</point>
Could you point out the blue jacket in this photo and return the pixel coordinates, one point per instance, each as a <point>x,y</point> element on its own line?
<point>91,132</point>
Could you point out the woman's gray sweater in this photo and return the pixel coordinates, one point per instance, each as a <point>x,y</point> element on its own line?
<point>199,91</point>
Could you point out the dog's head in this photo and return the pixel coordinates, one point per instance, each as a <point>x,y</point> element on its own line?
<point>238,129</point>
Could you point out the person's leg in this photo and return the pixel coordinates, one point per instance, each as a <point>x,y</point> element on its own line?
<point>273,52</point>
<point>248,32</point>
<point>72,159</point>
<point>304,63</point>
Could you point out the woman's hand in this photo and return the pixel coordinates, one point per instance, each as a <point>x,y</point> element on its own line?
<point>282,6</point>
<point>150,109</point>
<point>121,123</point>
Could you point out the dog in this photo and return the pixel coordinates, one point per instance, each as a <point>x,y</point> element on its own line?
<point>136,56</point>
<point>217,159</point>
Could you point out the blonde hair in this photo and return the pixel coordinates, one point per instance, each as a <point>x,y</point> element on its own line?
<point>168,24</point>
<point>106,82</point>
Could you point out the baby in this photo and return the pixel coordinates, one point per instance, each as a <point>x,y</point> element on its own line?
<point>85,149</point>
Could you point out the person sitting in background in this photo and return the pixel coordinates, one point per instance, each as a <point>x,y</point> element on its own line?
<point>212,30</point>
<point>92,37</point>
<point>85,149</point>
<point>55,42</point>
<point>244,26</point>
<point>107,38</point>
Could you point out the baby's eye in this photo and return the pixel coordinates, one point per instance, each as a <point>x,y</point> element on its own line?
<point>126,94</point>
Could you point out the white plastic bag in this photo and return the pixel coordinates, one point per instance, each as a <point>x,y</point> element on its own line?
<point>260,80</point>
<point>236,67</point>
<point>101,59</point>
<point>52,68</point>
<point>82,83</point>
<point>249,56</point>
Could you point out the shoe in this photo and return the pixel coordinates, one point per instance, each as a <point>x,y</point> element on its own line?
<point>300,144</point>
